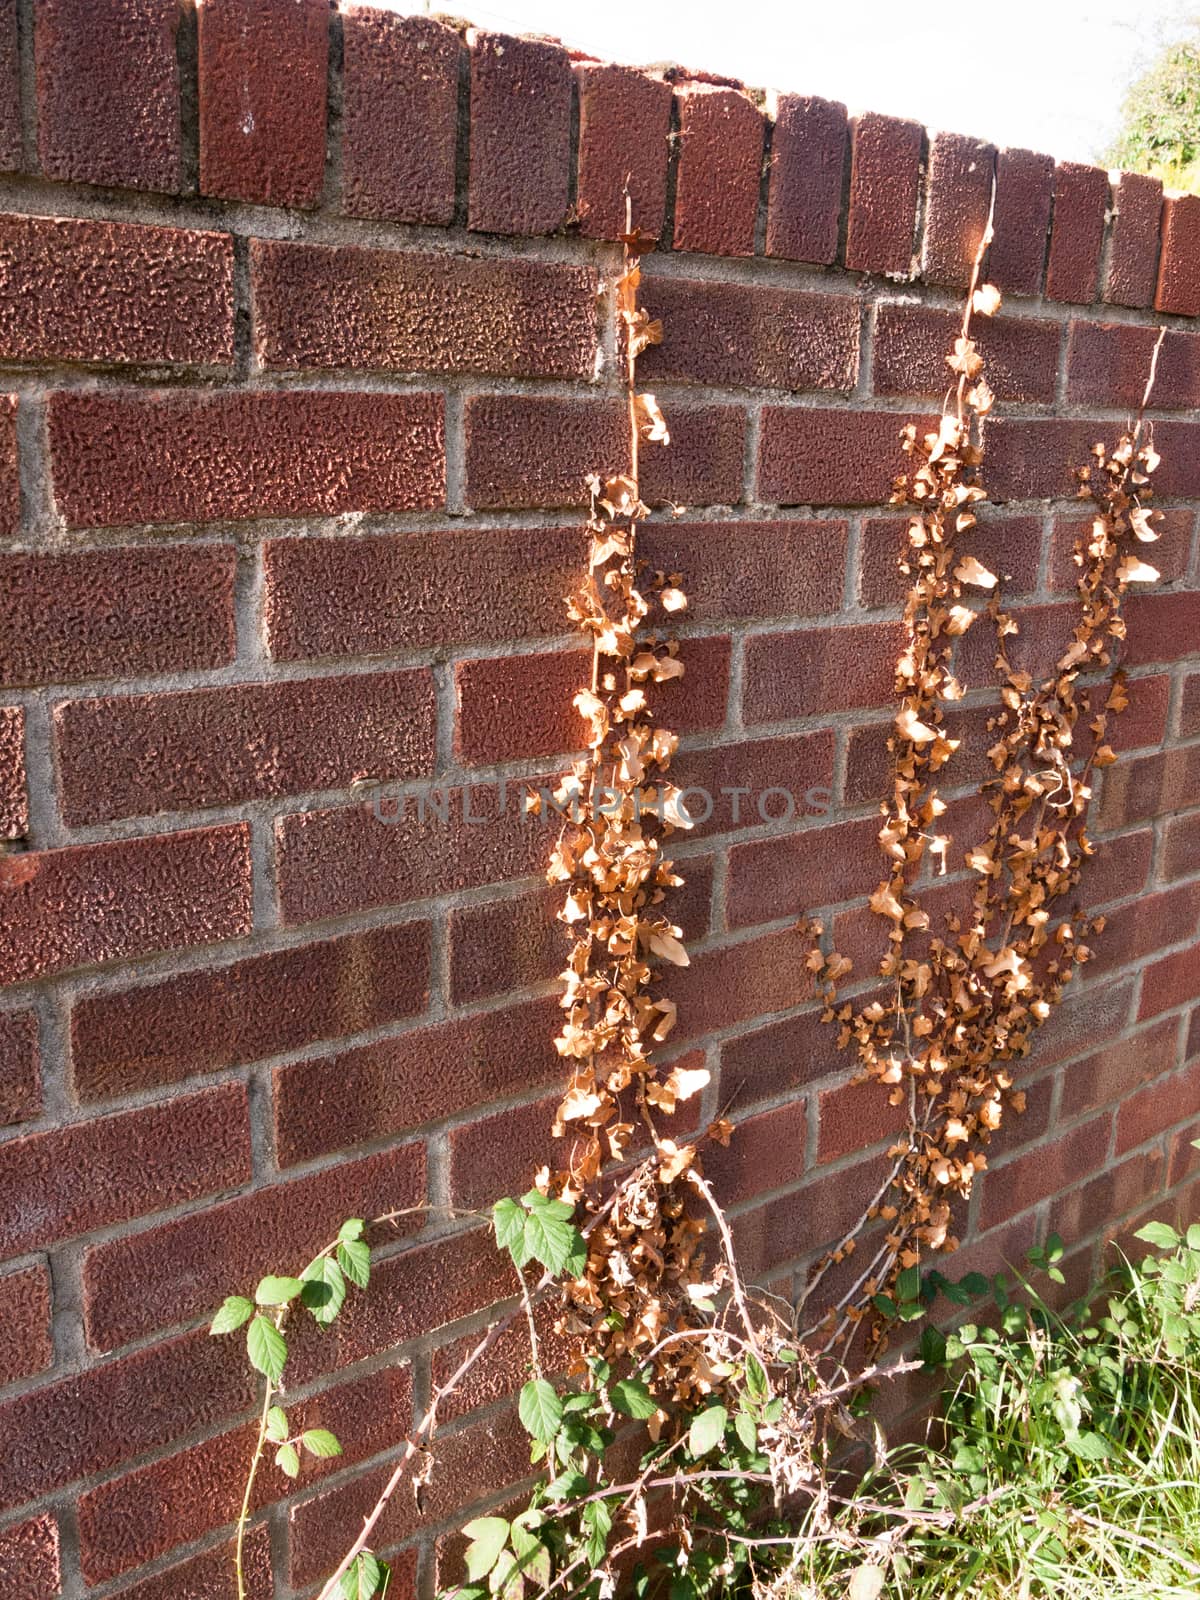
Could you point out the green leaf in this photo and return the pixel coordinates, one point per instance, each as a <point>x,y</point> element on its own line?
<point>537,1201</point>
<point>540,1410</point>
<point>508,1219</point>
<point>932,1348</point>
<point>354,1258</point>
<point>787,1356</point>
<point>320,1442</point>
<point>352,1229</point>
<point>277,1425</point>
<point>236,1310</point>
<point>756,1378</point>
<point>747,1429</point>
<point>1193,1236</point>
<point>908,1284</point>
<point>1088,1446</point>
<point>277,1291</point>
<point>488,1536</point>
<point>324,1289</point>
<point>288,1459</point>
<point>267,1348</point>
<point>1159,1234</point>
<point>884,1304</point>
<point>631,1396</point>
<point>364,1577</point>
<point>550,1239</point>
<point>597,1519</point>
<point>707,1430</point>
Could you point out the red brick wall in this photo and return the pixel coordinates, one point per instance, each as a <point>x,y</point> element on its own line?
<point>307,328</point>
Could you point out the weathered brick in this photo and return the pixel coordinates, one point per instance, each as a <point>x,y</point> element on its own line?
<point>93,1420</point>
<point>525,450</point>
<point>793,874</point>
<point>520,135</point>
<point>1113,1073</point>
<point>1024,190</point>
<point>29,1565</point>
<point>820,669</point>
<point>1009,546</point>
<point>499,1155</point>
<point>262,100</point>
<point>957,208</point>
<point>93,903</point>
<point>206,1576</point>
<point>1171,555</point>
<point>885,172</point>
<point>789,567</point>
<point>133,755</point>
<point>1178,443</point>
<point>398,311</point>
<point>1045,633</point>
<point>1160,1105</point>
<point>1181,847</point>
<point>1028,1179</point>
<point>811,456</point>
<point>521,706</point>
<point>386,1088</point>
<point>20,1068</point>
<point>765,1153</point>
<point>127,458</point>
<point>10,487</point>
<point>809,149</point>
<point>752,781</point>
<point>399,116</point>
<point>1159,623</point>
<point>1168,983</point>
<point>1178,287</point>
<point>136,1162</point>
<point>1133,247</point>
<point>103,613</point>
<point>624,124</point>
<point>72,289</point>
<point>1108,364</point>
<point>778,1059</point>
<point>750,336</point>
<point>911,343</point>
<point>705,463</point>
<point>1152,923</point>
<point>808,1220</point>
<point>503,1370</point>
<point>736,982</point>
<point>175,1270</point>
<point>1149,786</point>
<point>14,803</point>
<point>1100,1203</point>
<point>719,172</point>
<point>354,858</point>
<point>132,1519</point>
<point>11,153</point>
<point>28,1347</point>
<point>1081,197</point>
<point>1038,460</point>
<point>108,92</point>
<point>855,1116</point>
<point>197,1022</point>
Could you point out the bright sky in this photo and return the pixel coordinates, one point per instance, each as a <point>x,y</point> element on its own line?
<point>1046,74</point>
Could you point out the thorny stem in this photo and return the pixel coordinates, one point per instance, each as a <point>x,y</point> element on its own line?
<point>239,1553</point>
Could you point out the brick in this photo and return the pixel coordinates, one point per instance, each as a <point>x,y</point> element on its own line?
<point>14,805</point>
<point>1021,223</point>
<point>705,463</point>
<point>624,125</point>
<point>766,1152</point>
<point>134,1518</point>
<point>1009,546</point>
<point>29,1566</point>
<point>1115,1072</point>
<point>1133,246</point>
<point>1096,1015</point>
<point>72,289</point>
<point>750,336</point>
<point>1149,786</point>
<point>810,146</point>
<point>28,1347</point>
<point>794,874</point>
<point>10,488</point>
<point>537,451</point>
<point>719,172</point>
<point>1020,354</point>
<point>262,100</point>
<point>135,755</point>
<point>812,1218</point>
<point>206,1576</point>
<point>399,116</point>
<point>1169,983</point>
<point>1038,460</point>
<point>853,1117</point>
<point>20,1068</point>
<point>521,706</point>
<point>520,135</point>
<point>499,1155</point>
<point>108,92</point>
<point>1159,624</point>
<point>885,172</point>
<point>1109,364</point>
<point>1161,1105</point>
<point>1179,445</point>
<point>384,1089</point>
<point>1028,1179</point>
<point>1045,632</point>
<point>1178,287</point>
<point>175,1270</point>
<point>136,1162</point>
<point>126,458</point>
<point>93,903</point>
<point>505,1367</point>
<point>820,669</point>
<point>812,456</point>
<point>777,1059</point>
<point>398,311</point>
<point>1152,923</point>
<point>1189,706</point>
<point>752,781</point>
<point>355,858</point>
<point>127,1040</point>
<point>737,982</point>
<point>1081,198</point>
<point>957,207</point>
<point>95,1419</point>
<point>11,153</point>
<point>376,595</point>
<point>1171,555</point>
<point>1112,1195</point>
<point>789,567</point>
<point>1181,847</point>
